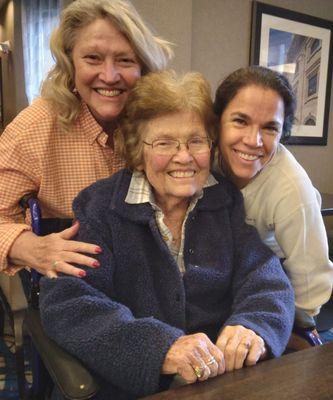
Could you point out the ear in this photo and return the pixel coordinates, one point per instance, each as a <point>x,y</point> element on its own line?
<point>141,165</point>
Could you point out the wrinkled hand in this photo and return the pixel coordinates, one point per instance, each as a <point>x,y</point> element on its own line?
<point>192,352</point>
<point>54,253</point>
<point>240,346</point>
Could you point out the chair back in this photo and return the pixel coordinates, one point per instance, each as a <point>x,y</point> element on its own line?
<point>41,227</point>
<point>51,364</point>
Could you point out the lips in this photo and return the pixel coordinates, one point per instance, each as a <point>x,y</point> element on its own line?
<point>109,92</point>
<point>182,174</point>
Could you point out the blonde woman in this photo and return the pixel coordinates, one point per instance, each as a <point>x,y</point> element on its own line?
<point>64,141</point>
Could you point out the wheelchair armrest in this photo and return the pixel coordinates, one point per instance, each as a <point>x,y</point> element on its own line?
<point>73,380</point>
<point>309,334</point>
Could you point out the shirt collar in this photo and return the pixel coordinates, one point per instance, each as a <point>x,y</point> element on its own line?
<point>88,124</point>
<point>140,190</point>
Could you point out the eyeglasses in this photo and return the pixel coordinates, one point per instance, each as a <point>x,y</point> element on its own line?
<point>169,147</point>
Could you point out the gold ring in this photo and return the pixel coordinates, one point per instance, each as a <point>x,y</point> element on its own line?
<point>54,264</point>
<point>211,361</point>
<point>247,345</point>
<point>198,371</point>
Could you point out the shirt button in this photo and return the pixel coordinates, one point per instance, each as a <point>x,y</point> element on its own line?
<point>191,251</point>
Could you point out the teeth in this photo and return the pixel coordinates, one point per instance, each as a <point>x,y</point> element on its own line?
<point>247,157</point>
<point>182,174</point>
<point>108,93</point>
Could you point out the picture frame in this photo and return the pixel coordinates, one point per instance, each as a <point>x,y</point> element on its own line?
<point>301,47</point>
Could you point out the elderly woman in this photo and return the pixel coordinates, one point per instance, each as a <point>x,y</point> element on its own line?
<point>64,141</point>
<point>256,107</point>
<point>185,286</point>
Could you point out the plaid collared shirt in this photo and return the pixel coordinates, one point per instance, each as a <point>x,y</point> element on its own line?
<point>36,156</point>
<point>140,191</point>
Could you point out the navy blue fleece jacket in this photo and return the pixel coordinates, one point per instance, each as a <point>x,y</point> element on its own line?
<point>123,317</point>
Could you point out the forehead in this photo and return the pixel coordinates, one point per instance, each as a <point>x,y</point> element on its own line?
<point>257,100</point>
<point>101,32</point>
<point>175,124</point>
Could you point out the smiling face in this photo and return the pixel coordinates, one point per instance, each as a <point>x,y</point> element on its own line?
<point>250,130</point>
<point>175,178</point>
<point>106,68</point>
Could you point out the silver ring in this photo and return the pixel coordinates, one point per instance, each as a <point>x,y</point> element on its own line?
<point>54,264</point>
<point>211,361</point>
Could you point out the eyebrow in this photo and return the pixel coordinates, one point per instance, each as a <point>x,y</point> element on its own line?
<point>125,53</point>
<point>97,48</point>
<point>239,114</point>
<point>247,118</point>
<point>169,135</point>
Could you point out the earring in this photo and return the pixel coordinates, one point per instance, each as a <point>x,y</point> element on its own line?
<point>75,90</point>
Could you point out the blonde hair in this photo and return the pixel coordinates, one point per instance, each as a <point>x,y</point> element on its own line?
<point>153,52</point>
<point>157,94</point>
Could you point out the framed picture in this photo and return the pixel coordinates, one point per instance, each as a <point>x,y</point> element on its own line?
<point>300,47</point>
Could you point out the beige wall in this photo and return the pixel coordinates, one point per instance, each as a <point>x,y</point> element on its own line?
<point>210,36</point>
<point>171,19</point>
<point>21,98</point>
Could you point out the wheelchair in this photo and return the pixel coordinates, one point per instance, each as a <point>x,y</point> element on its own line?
<point>51,365</point>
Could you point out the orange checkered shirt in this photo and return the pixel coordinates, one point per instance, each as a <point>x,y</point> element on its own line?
<point>36,156</point>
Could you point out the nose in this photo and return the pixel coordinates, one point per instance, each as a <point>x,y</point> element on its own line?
<point>183,154</point>
<point>253,137</point>
<point>109,72</point>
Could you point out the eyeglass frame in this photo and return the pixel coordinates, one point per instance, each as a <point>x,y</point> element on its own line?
<point>209,143</point>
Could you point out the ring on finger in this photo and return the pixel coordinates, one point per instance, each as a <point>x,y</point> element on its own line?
<point>211,361</point>
<point>246,345</point>
<point>54,264</point>
<point>199,371</point>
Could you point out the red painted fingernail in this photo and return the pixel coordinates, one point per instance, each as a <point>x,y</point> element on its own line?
<point>98,250</point>
<point>96,264</point>
<point>82,274</point>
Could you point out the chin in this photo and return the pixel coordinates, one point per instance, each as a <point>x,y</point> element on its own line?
<point>108,112</point>
<point>245,174</point>
<point>187,195</point>
<point>108,118</point>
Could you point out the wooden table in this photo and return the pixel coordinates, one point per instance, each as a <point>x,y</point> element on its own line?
<point>327,204</point>
<point>305,375</point>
